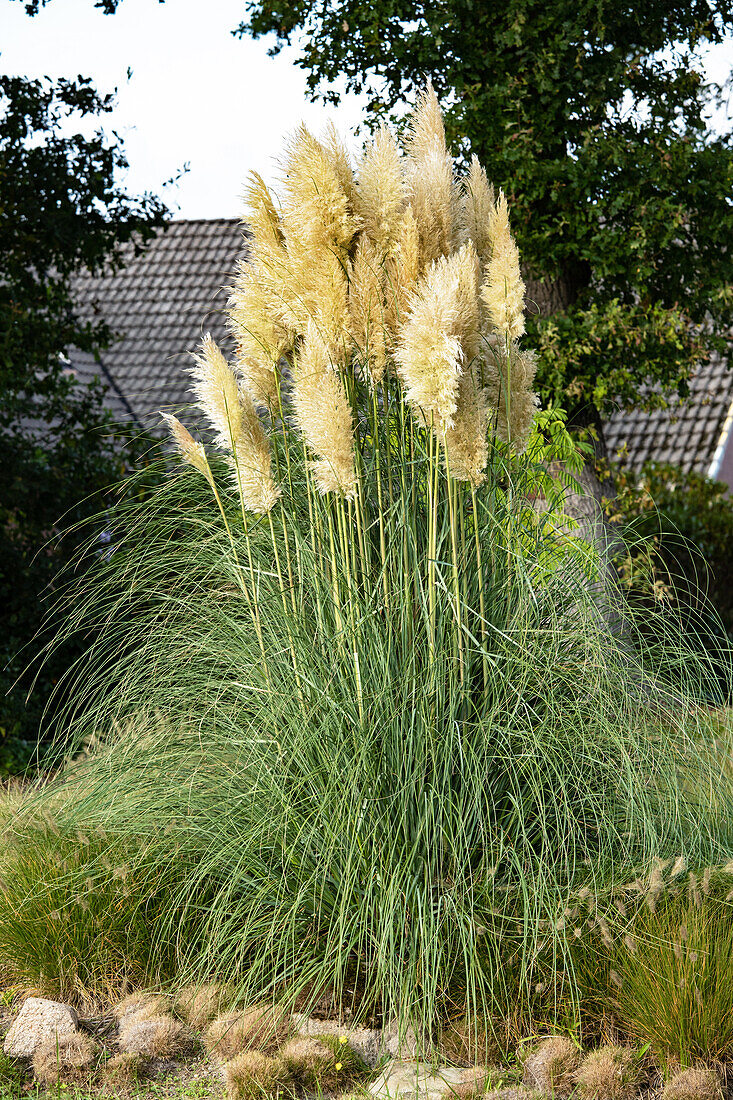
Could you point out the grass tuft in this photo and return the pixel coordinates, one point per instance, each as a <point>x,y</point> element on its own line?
<point>155,1036</point>
<point>608,1073</point>
<point>67,1060</point>
<point>253,1075</point>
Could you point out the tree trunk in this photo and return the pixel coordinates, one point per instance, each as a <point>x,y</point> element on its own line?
<point>585,506</point>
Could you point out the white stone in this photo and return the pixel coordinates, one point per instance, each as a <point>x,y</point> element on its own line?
<point>363,1041</point>
<point>39,1021</point>
<point>413,1080</point>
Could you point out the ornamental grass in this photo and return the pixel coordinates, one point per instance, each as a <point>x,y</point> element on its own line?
<point>356,694</point>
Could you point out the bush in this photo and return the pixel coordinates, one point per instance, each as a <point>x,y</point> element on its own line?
<point>361,717</point>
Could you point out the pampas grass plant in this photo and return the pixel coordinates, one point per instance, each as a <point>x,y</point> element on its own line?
<point>353,682</point>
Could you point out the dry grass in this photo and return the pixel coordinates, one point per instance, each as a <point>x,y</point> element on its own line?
<point>552,1066</point>
<point>124,1070</point>
<point>68,1061</point>
<point>608,1073</point>
<point>141,1006</point>
<point>252,1075</point>
<point>234,1033</point>
<point>697,1083</point>
<point>156,1036</point>
<point>198,1005</point>
<point>466,1041</point>
<point>323,1064</point>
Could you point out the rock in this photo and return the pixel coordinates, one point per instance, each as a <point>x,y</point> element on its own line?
<point>396,1046</point>
<point>39,1021</point>
<point>417,1081</point>
<point>363,1041</point>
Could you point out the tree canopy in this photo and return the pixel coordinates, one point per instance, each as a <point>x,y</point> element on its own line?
<point>62,209</point>
<point>594,117</point>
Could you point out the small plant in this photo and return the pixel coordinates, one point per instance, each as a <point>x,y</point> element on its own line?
<point>608,1073</point>
<point>675,987</point>
<point>695,1083</point>
<point>235,1032</point>
<point>124,1070</point>
<point>552,1066</point>
<point>68,1060</point>
<point>155,1037</point>
<point>322,1063</point>
<point>253,1076</point>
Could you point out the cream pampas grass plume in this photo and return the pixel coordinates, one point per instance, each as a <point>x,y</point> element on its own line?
<point>476,209</point>
<point>508,378</point>
<point>366,299</point>
<point>381,192</point>
<point>430,178</point>
<point>324,416</point>
<point>188,448</point>
<point>439,337</point>
<point>466,441</point>
<point>237,428</point>
<point>317,208</point>
<point>503,289</point>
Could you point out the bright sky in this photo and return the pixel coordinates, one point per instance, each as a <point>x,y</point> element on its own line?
<point>197,94</point>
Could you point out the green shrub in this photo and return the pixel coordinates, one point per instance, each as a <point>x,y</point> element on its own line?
<point>359,716</point>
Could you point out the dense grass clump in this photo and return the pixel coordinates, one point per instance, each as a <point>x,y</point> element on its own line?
<point>361,713</point>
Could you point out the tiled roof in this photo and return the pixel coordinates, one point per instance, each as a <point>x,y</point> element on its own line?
<point>689,434</point>
<point>163,301</point>
<point>159,306</point>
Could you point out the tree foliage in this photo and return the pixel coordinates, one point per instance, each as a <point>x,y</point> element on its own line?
<point>62,209</point>
<point>593,116</point>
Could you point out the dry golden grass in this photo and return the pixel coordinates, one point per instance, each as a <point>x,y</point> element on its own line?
<point>608,1073</point>
<point>198,1005</point>
<point>697,1083</point>
<point>252,1075</point>
<point>552,1066</point>
<point>67,1061</point>
<point>124,1070</point>
<point>140,1005</point>
<point>156,1036</point>
<point>233,1033</point>
<point>320,1064</point>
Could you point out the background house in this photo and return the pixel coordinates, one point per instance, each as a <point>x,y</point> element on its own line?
<point>163,301</point>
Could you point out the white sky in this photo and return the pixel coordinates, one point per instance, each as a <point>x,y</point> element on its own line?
<point>197,94</point>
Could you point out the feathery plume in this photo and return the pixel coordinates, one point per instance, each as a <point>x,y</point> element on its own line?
<point>380,191</point>
<point>191,451</point>
<point>508,378</point>
<point>476,207</point>
<point>466,442</point>
<point>429,355</point>
<point>429,172</point>
<point>323,415</point>
<point>366,299</point>
<point>237,428</point>
<point>440,336</point>
<point>261,340</point>
<point>317,210</point>
<point>261,215</point>
<point>402,269</point>
<point>503,289</point>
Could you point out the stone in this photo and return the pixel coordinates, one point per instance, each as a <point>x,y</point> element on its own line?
<point>39,1021</point>
<point>363,1041</point>
<point>417,1081</point>
<point>399,1046</point>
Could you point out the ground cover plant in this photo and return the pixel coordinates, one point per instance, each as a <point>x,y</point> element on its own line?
<point>361,714</point>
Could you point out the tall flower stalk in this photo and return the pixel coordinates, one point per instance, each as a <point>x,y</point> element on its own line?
<point>377,326</point>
